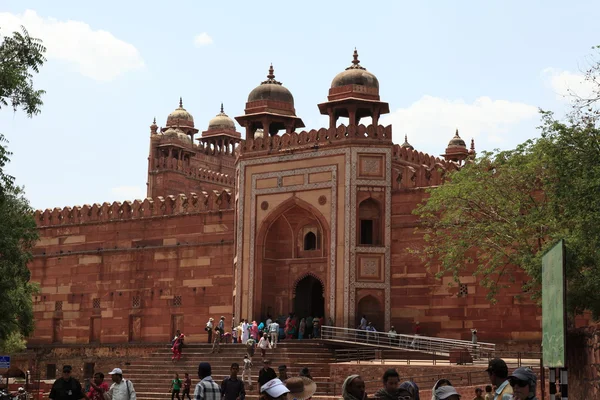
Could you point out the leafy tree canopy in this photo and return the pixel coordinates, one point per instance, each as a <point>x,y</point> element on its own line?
<point>500,213</point>
<point>20,57</point>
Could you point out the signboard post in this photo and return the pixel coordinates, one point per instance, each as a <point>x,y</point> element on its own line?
<point>554,318</point>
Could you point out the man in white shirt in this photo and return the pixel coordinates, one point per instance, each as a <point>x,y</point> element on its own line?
<point>268,323</point>
<point>274,333</point>
<point>121,389</point>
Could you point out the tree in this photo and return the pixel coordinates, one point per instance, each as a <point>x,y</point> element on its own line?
<point>498,215</point>
<point>20,57</point>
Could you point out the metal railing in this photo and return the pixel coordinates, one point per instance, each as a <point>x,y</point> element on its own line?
<point>420,343</point>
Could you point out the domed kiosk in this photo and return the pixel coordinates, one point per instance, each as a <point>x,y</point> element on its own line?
<point>354,94</point>
<point>221,134</point>
<point>457,149</point>
<point>270,107</point>
<point>180,121</point>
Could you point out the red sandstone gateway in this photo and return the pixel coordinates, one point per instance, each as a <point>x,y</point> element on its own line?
<point>315,222</point>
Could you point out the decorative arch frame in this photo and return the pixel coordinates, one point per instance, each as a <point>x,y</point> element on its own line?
<point>261,237</point>
<point>306,275</point>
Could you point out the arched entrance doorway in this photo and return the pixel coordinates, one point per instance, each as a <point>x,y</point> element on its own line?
<point>371,308</point>
<point>309,300</point>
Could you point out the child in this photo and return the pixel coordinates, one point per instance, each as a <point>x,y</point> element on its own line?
<point>489,395</point>
<point>247,371</point>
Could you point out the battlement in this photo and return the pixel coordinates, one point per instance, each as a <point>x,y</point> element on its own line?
<point>197,173</point>
<point>413,169</point>
<point>207,147</point>
<point>418,158</point>
<point>213,200</point>
<point>322,137</point>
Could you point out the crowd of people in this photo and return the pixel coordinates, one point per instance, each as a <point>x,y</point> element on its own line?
<point>262,335</point>
<point>520,385</point>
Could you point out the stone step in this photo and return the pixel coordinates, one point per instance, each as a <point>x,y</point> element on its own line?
<point>249,395</point>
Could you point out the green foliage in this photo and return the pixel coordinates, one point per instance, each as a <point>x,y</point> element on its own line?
<point>489,217</point>
<point>20,55</point>
<point>13,344</point>
<point>498,215</point>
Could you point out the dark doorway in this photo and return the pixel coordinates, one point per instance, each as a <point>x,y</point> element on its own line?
<point>309,300</point>
<point>371,308</point>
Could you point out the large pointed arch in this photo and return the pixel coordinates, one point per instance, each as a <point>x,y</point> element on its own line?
<point>291,205</point>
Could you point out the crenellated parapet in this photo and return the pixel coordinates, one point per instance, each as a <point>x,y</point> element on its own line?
<point>166,163</point>
<point>213,200</point>
<point>322,137</point>
<point>412,168</point>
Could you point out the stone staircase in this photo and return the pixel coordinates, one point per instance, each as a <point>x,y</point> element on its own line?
<point>152,374</point>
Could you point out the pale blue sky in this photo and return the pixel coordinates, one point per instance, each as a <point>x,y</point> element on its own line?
<point>482,67</point>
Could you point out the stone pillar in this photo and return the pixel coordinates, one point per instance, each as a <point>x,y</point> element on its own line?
<point>332,119</point>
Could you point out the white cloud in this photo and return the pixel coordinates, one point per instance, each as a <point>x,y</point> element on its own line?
<point>122,193</point>
<point>96,54</point>
<point>430,122</point>
<point>203,39</point>
<point>566,84</point>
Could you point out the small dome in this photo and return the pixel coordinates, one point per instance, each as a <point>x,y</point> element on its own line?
<point>355,75</point>
<point>178,133</point>
<point>180,115</point>
<point>221,121</point>
<point>271,90</point>
<point>456,141</point>
<point>406,144</point>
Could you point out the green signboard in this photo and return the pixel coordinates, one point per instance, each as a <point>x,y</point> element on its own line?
<point>553,307</point>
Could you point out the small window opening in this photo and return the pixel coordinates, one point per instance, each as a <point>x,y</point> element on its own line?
<point>310,241</point>
<point>366,231</point>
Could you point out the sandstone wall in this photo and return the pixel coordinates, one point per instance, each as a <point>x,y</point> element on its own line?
<point>134,273</point>
<point>451,311</point>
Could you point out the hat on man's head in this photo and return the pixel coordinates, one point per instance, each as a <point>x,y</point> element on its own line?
<point>282,367</point>
<point>497,365</point>
<point>444,392</point>
<point>67,368</point>
<point>274,388</point>
<point>525,374</point>
<point>300,388</point>
<point>116,371</point>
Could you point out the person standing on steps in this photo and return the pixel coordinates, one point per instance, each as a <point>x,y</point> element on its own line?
<point>306,373</point>
<point>416,332</point>
<point>245,331</point>
<point>187,384</point>
<point>247,371</point>
<point>175,387</point>
<point>266,374</point>
<point>216,348</point>
<point>274,333</point>
<point>283,376</point>
<point>209,329</point>
<point>121,389</point>
<point>309,326</point>
<point>206,389</point>
<point>67,387</point>
<point>250,347</point>
<point>221,325</point>
<point>263,345</point>
<point>232,388</point>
